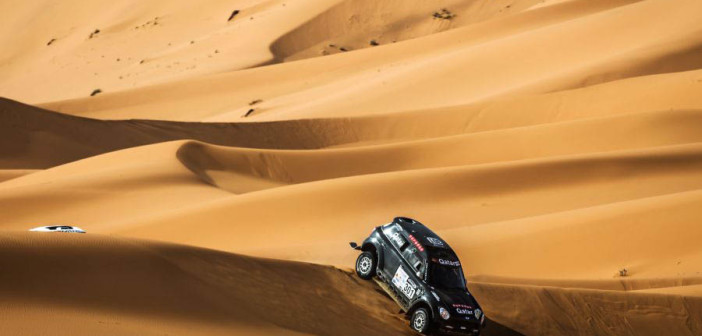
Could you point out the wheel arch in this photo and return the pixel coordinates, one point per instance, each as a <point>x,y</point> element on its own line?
<point>373,248</point>
<point>421,304</point>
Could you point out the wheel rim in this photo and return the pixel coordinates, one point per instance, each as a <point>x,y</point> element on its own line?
<point>419,321</point>
<point>364,265</point>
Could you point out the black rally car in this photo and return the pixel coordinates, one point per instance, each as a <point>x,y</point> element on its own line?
<point>424,276</point>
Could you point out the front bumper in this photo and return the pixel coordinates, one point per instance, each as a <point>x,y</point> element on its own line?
<point>458,327</point>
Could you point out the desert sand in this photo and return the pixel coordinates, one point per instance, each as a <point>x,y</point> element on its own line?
<point>221,166</point>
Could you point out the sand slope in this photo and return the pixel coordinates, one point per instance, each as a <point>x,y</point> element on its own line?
<point>118,286</point>
<point>554,144</point>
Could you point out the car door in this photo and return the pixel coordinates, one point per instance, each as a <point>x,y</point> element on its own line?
<point>415,269</point>
<point>403,277</point>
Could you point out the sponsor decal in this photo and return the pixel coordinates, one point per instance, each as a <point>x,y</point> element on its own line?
<point>402,281</point>
<point>400,277</point>
<point>463,309</point>
<point>416,243</point>
<point>435,241</point>
<point>397,239</point>
<point>446,262</point>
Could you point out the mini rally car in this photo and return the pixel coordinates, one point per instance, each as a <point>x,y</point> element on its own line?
<point>422,274</point>
<point>58,228</point>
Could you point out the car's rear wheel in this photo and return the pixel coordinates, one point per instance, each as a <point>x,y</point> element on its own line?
<point>420,321</point>
<point>365,265</point>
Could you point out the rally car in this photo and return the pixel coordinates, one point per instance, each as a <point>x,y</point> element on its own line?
<point>422,274</point>
<point>58,228</point>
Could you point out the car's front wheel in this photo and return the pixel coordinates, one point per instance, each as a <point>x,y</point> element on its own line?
<point>420,321</point>
<point>365,265</point>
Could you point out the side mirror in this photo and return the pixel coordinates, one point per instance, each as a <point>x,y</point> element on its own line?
<point>355,246</point>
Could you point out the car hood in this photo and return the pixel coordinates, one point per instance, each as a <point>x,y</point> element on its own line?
<point>458,302</point>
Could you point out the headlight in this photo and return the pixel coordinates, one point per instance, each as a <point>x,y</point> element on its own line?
<point>478,312</point>
<point>444,313</point>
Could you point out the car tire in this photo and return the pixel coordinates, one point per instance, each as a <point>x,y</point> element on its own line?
<point>365,265</point>
<point>421,321</point>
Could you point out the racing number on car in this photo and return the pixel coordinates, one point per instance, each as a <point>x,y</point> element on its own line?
<point>403,283</point>
<point>409,289</point>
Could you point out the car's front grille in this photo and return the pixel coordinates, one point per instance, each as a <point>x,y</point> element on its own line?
<point>461,328</point>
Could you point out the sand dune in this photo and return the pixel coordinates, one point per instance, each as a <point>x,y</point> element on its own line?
<point>227,167</point>
<point>554,144</point>
<point>585,312</point>
<point>132,286</point>
<point>57,139</point>
<point>477,194</point>
<point>70,48</point>
<point>357,24</point>
<point>460,66</point>
<point>499,214</point>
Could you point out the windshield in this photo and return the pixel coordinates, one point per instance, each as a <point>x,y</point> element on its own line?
<point>449,277</point>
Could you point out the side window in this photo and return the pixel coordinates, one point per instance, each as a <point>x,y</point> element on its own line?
<point>410,255</point>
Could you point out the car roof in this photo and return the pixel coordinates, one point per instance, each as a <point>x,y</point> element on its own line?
<point>415,227</point>
<point>432,243</point>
